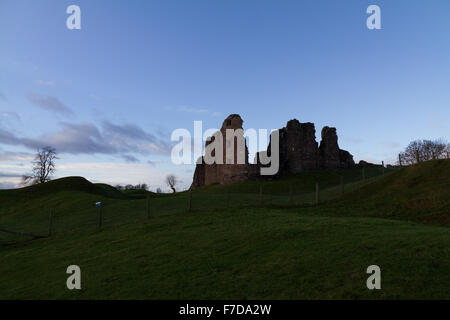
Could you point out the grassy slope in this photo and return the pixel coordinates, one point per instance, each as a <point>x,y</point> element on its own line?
<point>72,200</point>
<point>418,193</point>
<point>269,252</point>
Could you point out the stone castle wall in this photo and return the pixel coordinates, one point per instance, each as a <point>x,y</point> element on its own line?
<point>299,152</point>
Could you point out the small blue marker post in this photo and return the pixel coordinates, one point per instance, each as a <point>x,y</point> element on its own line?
<point>99,206</point>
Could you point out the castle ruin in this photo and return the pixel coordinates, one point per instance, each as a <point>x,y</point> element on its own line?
<point>298,152</point>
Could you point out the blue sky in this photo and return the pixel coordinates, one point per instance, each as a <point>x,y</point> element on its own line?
<point>109,95</point>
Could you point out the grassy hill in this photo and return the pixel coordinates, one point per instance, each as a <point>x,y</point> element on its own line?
<point>230,245</point>
<point>419,193</point>
<point>72,200</point>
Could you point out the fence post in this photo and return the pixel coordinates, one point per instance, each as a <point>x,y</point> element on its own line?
<point>448,155</point>
<point>148,206</point>
<point>190,201</point>
<point>100,217</point>
<point>399,160</point>
<point>290,193</point>
<point>382,163</point>
<point>50,223</point>
<point>260,195</point>
<point>317,193</point>
<point>342,184</point>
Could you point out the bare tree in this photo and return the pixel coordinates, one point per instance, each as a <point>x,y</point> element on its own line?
<point>43,167</point>
<point>171,181</point>
<point>433,150</point>
<point>411,154</point>
<point>423,150</point>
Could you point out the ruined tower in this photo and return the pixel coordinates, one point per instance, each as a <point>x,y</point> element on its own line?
<point>234,166</point>
<point>330,156</point>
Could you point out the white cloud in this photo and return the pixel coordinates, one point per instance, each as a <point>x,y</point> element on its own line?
<point>198,111</point>
<point>15,156</point>
<point>8,184</point>
<point>49,103</point>
<point>192,110</point>
<point>9,115</point>
<point>87,138</point>
<point>45,83</point>
<point>124,173</point>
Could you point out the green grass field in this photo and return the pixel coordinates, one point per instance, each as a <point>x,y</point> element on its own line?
<point>232,245</point>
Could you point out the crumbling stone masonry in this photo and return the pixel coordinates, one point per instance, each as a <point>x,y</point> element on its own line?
<point>225,173</point>
<point>298,151</point>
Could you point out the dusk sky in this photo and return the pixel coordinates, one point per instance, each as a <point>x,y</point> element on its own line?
<point>108,96</point>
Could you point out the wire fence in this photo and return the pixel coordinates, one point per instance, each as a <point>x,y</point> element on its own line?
<point>49,221</point>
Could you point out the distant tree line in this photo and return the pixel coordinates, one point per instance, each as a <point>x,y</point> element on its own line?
<point>171,181</point>
<point>424,150</point>
<point>141,186</point>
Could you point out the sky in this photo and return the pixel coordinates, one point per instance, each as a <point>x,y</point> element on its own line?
<point>108,96</point>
